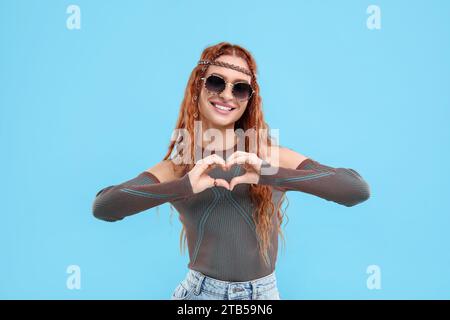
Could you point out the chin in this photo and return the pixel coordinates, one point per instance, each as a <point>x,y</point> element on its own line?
<point>221,122</point>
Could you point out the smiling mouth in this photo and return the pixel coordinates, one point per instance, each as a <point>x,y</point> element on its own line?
<point>221,108</point>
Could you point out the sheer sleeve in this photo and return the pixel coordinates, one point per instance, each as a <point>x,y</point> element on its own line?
<point>138,194</point>
<point>340,185</point>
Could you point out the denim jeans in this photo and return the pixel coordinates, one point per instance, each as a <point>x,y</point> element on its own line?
<point>197,286</point>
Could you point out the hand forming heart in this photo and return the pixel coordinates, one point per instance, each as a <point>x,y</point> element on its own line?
<point>252,164</point>
<point>200,180</point>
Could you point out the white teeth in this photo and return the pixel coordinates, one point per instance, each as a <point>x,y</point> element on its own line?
<point>218,106</point>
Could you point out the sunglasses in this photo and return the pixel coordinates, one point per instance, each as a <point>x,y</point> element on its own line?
<point>215,84</point>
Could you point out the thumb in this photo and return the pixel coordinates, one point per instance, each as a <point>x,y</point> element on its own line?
<point>236,180</point>
<point>222,183</point>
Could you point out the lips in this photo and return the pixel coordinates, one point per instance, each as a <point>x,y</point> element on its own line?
<point>222,108</point>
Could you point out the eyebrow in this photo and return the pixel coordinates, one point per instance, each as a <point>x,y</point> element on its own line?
<point>236,80</point>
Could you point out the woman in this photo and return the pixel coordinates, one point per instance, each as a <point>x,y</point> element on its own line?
<point>229,192</point>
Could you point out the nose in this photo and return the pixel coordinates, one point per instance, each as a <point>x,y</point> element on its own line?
<point>227,93</point>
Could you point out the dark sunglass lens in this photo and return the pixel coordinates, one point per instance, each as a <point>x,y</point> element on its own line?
<point>215,84</point>
<point>242,91</point>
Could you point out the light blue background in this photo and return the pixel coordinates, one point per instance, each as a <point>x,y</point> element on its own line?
<point>84,109</point>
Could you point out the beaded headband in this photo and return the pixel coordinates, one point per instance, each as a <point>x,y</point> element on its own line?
<point>227,65</point>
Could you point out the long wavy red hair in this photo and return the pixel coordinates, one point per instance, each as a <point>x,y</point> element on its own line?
<point>253,117</point>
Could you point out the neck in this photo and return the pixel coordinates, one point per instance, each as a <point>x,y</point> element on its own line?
<point>216,137</point>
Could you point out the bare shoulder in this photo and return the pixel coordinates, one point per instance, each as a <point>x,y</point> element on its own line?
<point>289,158</point>
<point>164,171</point>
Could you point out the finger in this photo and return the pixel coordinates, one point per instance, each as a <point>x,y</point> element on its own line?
<point>222,183</point>
<point>210,160</point>
<point>199,167</point>
<point>250,159</point>
<point>235,154</point>
<point>212,167</point>
<point>237,180</point>
<point>214,158</point>
<point>241,159</point>
<point>216,161</point>
<point>238,158</point>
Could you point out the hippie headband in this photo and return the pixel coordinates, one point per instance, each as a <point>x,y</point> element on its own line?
<point>227,65</point>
